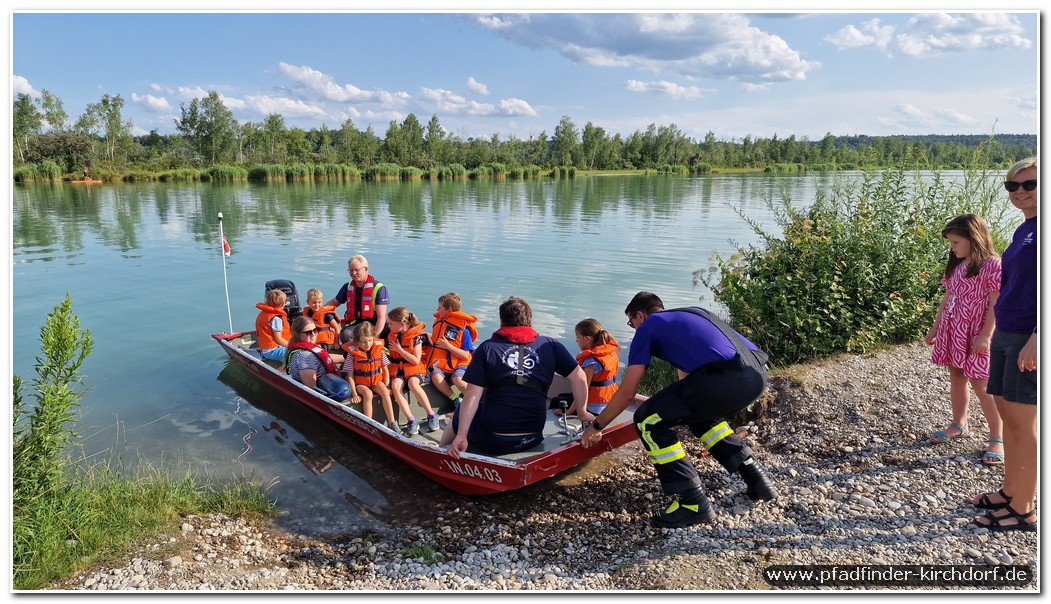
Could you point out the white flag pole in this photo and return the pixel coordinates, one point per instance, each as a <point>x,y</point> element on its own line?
<point>226,286</point>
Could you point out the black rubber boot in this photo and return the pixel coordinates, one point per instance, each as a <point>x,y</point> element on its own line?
<point>759,486</point>
<point>682,513</point>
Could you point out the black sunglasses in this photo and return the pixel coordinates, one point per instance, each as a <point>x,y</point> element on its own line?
<point>1012,185</point>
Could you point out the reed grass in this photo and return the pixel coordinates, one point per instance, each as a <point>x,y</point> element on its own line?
<point>65,517</point>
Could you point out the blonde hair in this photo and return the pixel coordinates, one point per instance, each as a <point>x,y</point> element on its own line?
<point>1022,164</point>
<point>314,294</point>
<point>360,259</point>
<point>275,298</point>
<point>450,301</point>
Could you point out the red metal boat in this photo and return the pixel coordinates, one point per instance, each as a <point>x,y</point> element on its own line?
<point>472,473</point>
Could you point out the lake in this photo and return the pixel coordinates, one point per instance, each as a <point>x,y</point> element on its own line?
<point>144,267</point>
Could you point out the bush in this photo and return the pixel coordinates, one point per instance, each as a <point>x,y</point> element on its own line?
<point>858,268</point>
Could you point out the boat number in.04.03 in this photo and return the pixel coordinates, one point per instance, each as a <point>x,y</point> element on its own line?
<point>466,469</point>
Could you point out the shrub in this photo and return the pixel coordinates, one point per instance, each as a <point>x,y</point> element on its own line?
<point>383,171</point>
<point>858,268</point>
<point>410,173</point>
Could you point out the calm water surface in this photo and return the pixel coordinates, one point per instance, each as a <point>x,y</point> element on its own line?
<point>143,266</point>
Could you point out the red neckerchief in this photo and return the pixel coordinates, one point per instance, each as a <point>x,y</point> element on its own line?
<point>517,335</point>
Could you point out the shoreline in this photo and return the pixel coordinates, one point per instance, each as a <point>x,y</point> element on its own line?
<point>843,440</point>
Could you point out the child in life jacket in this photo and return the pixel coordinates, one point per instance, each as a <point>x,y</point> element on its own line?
<point>324,317</point>
<point>405,344</point>
<point>451,345</point>
<point>272,327</point>
<point>366,368</point>
<point>600,361</point>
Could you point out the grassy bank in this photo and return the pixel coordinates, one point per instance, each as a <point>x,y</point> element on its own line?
<point>68,515</point>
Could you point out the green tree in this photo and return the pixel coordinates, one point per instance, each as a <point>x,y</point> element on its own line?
<point>394,148</point>
<point>209,127</point>
<point>106,117</point>
<point>55,116</point>
<point>273,135</point>
<point>435,143</point>
<point>26,122</point>
<point>411,133</point>
<point>565,146</point>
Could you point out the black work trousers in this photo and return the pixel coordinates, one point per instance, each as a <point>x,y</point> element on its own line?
<point>701,401</point>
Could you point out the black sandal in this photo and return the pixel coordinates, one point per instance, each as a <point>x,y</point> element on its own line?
<point>1021,521</point>
<point>988,504</point>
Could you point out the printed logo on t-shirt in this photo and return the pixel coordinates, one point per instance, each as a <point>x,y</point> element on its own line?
<point>1028,239</point>
<point>531,360</point>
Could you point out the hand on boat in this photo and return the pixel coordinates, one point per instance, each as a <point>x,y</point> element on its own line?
<point>457,446</point>
<point>590,436</point>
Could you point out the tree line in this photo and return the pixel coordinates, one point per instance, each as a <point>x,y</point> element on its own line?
<point>207,134</point>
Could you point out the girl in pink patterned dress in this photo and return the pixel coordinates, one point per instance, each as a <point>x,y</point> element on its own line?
<point>964,325</point>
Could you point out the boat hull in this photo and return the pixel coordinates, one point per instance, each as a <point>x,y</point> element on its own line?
<point>471,474</point>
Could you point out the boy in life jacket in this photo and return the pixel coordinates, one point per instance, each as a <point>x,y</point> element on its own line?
<point>366,368</point>
<point>452,342</point>
<point>405,344</point>
<point>324,317</point>
<point>272,327</point>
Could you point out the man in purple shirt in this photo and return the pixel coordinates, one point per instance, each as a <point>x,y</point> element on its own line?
<point>720,373</point>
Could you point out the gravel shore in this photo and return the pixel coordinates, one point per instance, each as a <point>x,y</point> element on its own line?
<point>844,441</point>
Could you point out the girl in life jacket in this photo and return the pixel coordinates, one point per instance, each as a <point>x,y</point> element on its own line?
<point>600,361</point>
<point>324,317</point>
<point>366,368</point>
<point>405,344</point>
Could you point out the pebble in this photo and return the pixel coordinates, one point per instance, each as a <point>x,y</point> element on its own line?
<point>842,446</point>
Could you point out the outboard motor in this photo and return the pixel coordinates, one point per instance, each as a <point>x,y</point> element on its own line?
<point>292,305</point>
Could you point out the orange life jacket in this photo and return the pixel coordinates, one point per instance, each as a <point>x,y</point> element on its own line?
<point>451,328</point>
<point>263,333</point>
<point>406,340</point>
<point>360,301</point>
<point>368,365</point>
<point>603,383</point>
<point>325,335</point>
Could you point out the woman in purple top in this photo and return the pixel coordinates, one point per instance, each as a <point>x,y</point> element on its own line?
<point>1012,365</point>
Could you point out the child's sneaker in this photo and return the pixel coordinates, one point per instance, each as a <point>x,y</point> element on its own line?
<point>457,400</point>
<point>413,427</point>
<point>393,426</point>
<point>432,422</point>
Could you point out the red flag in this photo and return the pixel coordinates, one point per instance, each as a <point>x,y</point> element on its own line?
<point>226,246</point>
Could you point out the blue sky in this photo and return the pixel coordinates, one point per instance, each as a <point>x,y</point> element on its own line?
<point>759,73</point>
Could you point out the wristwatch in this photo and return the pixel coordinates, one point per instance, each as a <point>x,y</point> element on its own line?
<point>596,426</point>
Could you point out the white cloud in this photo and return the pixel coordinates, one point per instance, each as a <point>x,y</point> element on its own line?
<point>443,100</point>
<point>663,87</point>
<point>325,85</point>
<point>20,85</point>
<point>265,105</point>
<point>953,117</point>
<point>477,86</point>
<point>932,34</point>
<point>870,34</point>
<point>702,45</point>
<point>191,92</point>
<point>150,102</point>
<point>517,107</point>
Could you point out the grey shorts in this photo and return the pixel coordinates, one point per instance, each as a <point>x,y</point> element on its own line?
<point>1005,379</point>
